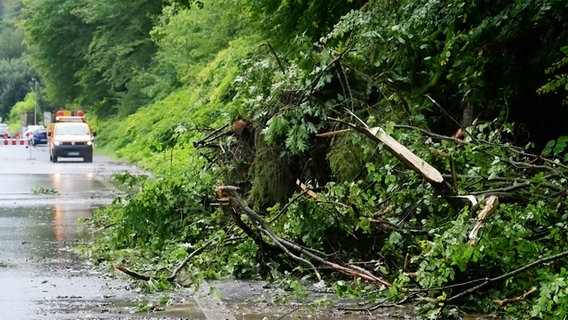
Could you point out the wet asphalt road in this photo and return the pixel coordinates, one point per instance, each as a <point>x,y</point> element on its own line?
<point>42,205</point>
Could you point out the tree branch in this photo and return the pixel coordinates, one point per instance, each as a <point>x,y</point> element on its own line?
<point>486,281</point>
<point>290,248</point>
<point>411,160</point>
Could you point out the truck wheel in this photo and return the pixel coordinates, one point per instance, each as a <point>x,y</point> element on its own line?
<point>88,158</point>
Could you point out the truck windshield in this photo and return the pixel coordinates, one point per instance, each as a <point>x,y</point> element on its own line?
<point>72,129</point>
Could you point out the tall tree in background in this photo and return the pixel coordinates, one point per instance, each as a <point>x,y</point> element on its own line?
<point>282,19</point>
<point>11,10</point>
<point>89,52</point>
<point>12,41</point>
<point>15,82</point>
<point>119,49</point>
<point>15,72</point>
<point>59,40</point>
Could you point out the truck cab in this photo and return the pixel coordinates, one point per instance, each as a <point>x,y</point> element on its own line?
<point>70,137</point>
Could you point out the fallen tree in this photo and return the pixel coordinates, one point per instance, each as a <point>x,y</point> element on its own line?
<point>439,259</point>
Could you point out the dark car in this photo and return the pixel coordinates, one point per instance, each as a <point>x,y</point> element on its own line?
<point>39,136</point>
<point>36,135</point>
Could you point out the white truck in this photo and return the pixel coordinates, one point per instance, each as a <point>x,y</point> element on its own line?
<point>70,137</point>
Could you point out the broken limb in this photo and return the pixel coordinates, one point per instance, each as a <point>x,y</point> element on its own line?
<point>280,65</point>
<point>411,160</point>
<point>418,294</point>
<point>505,302</point>
<point>431,134</point>
<point>256,237</point>
<point>217,133</point>
<point>261,224</point>
<point>285,208</point>
<point>491,205</point>
<point>334,133</point>
<point>174,274</point>
<point>290,248</point>
<point>306,189</point>
<point>131,273</point>
<point>188,258</point>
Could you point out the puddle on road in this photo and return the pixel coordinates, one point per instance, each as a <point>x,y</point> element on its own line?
<point>38,189</point>
<point>39,277</point>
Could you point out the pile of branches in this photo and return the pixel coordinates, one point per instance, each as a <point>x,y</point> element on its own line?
<point>483,205</point>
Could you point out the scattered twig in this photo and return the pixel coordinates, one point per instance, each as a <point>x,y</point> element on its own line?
<point>504,189</point>
<point>522,297</point>
<point>431,134</point>
<point>188,258</point>
<point>280,65</point>
<point>480,284</point>
<point>131,273</point>
<point>285,208</point>
<point>211,136</point>
<point>334,133</point>
<point>346,88</point>
<point>449,116</point>
<point>174,274</point>
<point>289,313</point>
<point>337,57</point>
<point>382,304</point>
<point>486,281</point>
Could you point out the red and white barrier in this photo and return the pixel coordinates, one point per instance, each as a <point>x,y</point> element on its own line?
<point>15,141</point>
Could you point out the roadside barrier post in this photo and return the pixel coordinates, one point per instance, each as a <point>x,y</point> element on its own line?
<point>28,145</point>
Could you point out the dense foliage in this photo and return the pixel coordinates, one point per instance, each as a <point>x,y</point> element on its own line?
<point>15,73</point>
<point>167,78</point>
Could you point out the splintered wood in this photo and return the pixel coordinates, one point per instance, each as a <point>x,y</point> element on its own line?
<point>306,190</point>
<point>491,205</point>
<point>417,164</point>
<point>411,160</point>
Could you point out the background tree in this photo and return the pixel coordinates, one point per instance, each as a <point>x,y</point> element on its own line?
<point>15,83</point>
<point>59,41</point>
<point>89,53</point>
<point>13,46</point>
<point>15,72</point>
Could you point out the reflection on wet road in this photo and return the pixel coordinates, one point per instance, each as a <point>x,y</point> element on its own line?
<point>29,190</point>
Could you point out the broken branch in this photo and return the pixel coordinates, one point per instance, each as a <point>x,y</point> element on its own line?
<point>490,207</point>
<point>411,160</point>
<point>290,248</point>
<point>305,189</point>
<point>486,281</point>
<point>131,273</point>
<point>522,297</point>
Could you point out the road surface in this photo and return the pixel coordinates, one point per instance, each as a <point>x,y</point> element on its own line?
<point>42,205</point>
